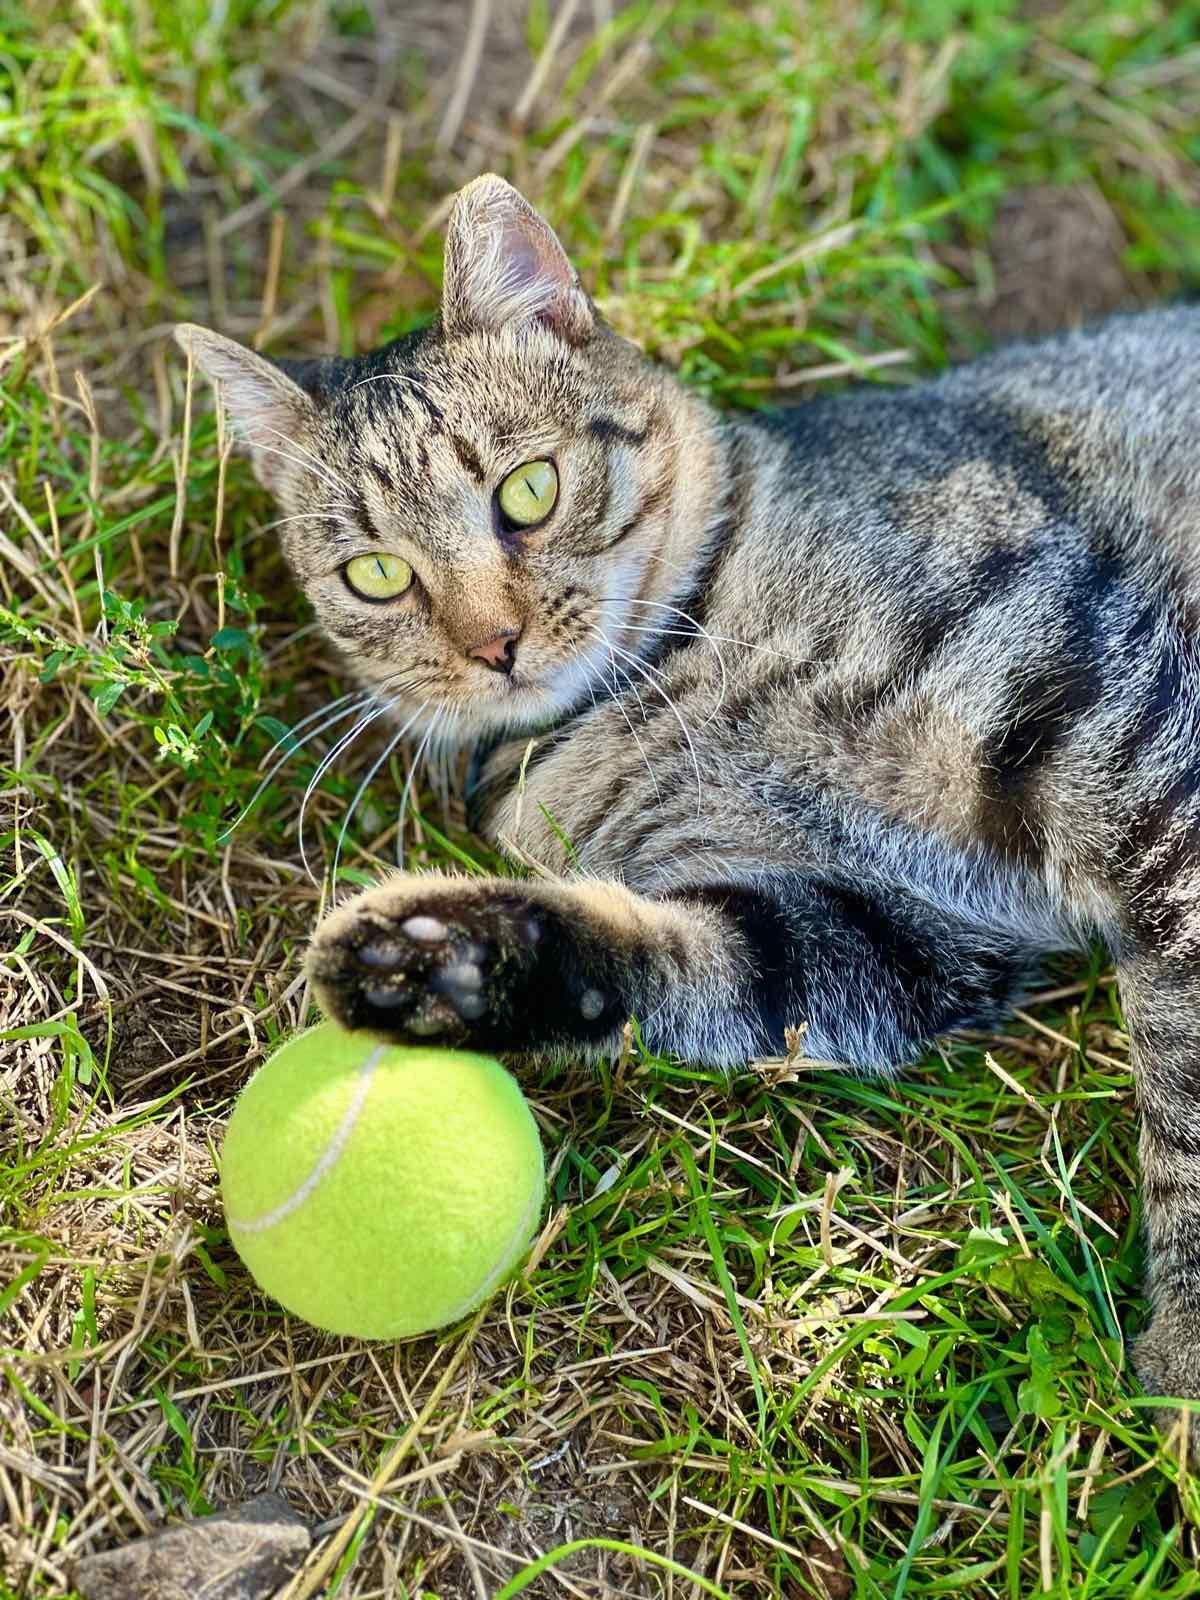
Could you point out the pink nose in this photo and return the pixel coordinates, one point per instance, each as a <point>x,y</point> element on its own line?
<point>500,653</point>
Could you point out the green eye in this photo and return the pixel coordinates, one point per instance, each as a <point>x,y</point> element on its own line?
<point>527,495</point>
<point>378,576</point>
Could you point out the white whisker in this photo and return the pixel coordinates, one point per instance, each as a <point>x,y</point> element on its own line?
<point>326,763</point>
<point>297,461</point>
<point>700,628</point>
<point>633,688</point>
<point>651,677</point>
<point>392,377</point>
<point>330,715</point>
<point>321,468</point>
<point>362,788</point>
<point>441,767</point>
<point>683,633</point>
<point>722,638</point>
<point>412,773</point>
<point>617,702</point>
<point>303,516</point>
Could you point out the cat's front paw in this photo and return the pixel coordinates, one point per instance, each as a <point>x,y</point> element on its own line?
<point>1167,1361</point>
<point>429,959</point>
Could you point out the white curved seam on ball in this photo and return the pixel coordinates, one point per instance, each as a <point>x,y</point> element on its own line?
<point>325,1160</point>
<point>507,1262</point>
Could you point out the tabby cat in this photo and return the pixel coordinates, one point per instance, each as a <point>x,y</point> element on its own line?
<point>836,719</point>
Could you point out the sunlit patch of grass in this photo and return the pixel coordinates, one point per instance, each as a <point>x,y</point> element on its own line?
<point>797,1333</point>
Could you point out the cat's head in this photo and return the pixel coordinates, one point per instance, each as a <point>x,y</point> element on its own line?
<point>479,510</point>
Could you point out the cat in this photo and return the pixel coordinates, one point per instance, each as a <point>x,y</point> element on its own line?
<point>837,719</point>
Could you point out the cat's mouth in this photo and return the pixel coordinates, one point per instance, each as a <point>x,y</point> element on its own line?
<point>539,691</point>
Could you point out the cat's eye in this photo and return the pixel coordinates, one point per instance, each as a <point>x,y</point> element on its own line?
<point>527,496</point>
<point>378,576</point>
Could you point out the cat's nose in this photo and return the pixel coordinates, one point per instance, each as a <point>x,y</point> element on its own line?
<point>500,653</point>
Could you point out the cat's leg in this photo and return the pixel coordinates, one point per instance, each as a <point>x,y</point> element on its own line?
<point>715,973</point>
<point>1161,999</point>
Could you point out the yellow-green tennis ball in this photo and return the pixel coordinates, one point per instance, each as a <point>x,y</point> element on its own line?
<point>379,1191</point>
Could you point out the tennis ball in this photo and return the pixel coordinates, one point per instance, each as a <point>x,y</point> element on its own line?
<point>379,1191</point>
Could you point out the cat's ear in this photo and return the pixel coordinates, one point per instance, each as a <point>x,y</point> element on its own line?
<point>505,267</point>
<point>268,408</point>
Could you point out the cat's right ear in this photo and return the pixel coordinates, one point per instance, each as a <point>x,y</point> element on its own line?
<point>271,412</point>
<point>504,267</point>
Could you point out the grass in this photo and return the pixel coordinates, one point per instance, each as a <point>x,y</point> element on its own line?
<point>794,1334</point>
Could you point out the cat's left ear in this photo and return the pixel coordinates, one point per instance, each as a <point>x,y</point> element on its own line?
<point>505,267</point>
<point>271,412</point>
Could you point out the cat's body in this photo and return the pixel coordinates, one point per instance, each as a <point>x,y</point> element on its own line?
<point>836,719</point>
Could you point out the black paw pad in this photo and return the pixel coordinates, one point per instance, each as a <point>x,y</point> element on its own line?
<point>384,999</point>
<point>592,1004</point>
<point>461,983</point>
<point>454,976</point>
<point>382,955</point>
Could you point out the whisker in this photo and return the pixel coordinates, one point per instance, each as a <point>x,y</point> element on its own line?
<point>441,766</point>
<point>648,673</point>
<point>326,762</point>
<point>700,628</point>
<point>412,773</point>
<point>722,638</point>
<point>617,702</point>
<point>392,377</point>
<point>297,461</point>
<point>331,705</point>
<point>745,644</point>
<point>633,688</point>
<point>362,789</point>
<point>330,715</point>
<point>301,516</point>
<point>321,468</point>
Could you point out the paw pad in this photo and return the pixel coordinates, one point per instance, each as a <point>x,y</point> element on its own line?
<point>591,1004</point>
<point>381,955</point>
<point>385,999</point>
<point>461,983</point>
<point>451,971</point>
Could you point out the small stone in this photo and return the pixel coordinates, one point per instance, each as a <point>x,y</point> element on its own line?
<point>425,930</point>
<point>245,1553</point>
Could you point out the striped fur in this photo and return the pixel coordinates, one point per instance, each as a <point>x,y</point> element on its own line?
<point>840,717</point>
